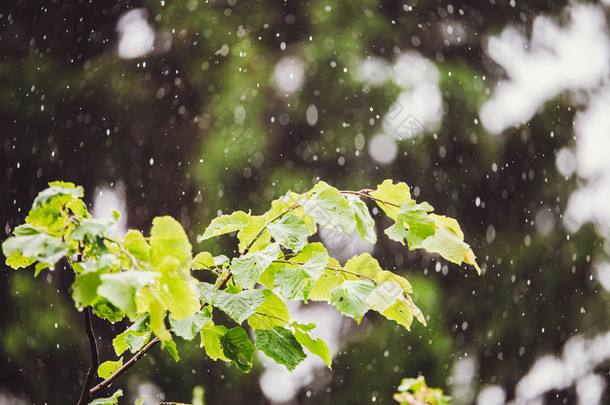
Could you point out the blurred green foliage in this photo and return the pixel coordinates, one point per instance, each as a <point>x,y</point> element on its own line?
<point>220,136</point>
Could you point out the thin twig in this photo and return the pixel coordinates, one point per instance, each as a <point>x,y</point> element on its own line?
<point>363,276</point>
<point>95,359</point>
<point>369,196</point>
<point>275,218</point>
<point>125,366</point>
<point>126,252</point>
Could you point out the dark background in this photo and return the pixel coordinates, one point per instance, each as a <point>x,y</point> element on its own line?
<point>180,152</point>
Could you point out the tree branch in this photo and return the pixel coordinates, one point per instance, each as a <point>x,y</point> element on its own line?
<point>125,366</point>
<point>359,193</point>
<point>95,359</point>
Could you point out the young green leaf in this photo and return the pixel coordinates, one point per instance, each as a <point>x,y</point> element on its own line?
<point>120,288</point>
<point>290,231</point>
<point>40,246</point>
<point>170,345</point>
<point>237,347</point>
<point>56,189</point>
<point>365,225</point>
<point>317,347</point>
<point>384,296</point>
<point>177,289</point>
<point>350,298</point>
<point>105,310</point>
<point>363,264</point>
<point>135,243</point>
<point>296,283</point>
<point>280,344</point>
<point>210,340</point>
<point>385,275</point>
<point>114,399</point>
<point>203,260</point>
<point>225,224</point>
<point>448,244</point>
<point>84,287</point>
<point>133,338</point>
<point>272,312</point>
<point>394,194</point>
<point>255,228</point>
<point>247,269</point>
<point>108,368</point>
<point>238,306</point>
<point>92,228</point>
<point>87,279</point>
<point>413,224</point>
<point>188,328</point>
<point>167,238</point>
<point>330,209</point>
<point>400,313</point>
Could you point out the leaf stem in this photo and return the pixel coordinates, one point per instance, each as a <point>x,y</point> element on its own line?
<point>260,232</point>
<point>95,360</point>
<point>126,252</point>
<point>125,366</point>
<point>273,316</point>
<point>363,276</point>
<point>361,194</point>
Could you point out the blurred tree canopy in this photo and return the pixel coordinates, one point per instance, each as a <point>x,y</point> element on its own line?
<point>235,102</point>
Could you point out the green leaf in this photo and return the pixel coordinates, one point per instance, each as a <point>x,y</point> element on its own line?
<point>365,225</point>
<point>268,276</point>
<point>330,209</point>
<point>17,260</point>
<point>296,283</point>
<point>225,224</point>
<point>317,347</point>
<point>447,243</point>
<point>133,338</point>
<point>108,368</point>
<point>177,288</point>
<point>188,328</point>
<point>170,345</point>
<point>400,313</point>
<point>247,233</point>
<point>114,399</point>
<point>385,275</point>
<point>363,264</point>
<point>238,306</point>
<point>280,344</point>
<point>328,280</point>
<point>237,347</point>
<point>203,260</point>
<point>49,210</point>
<point>58,188</point>
<point>395,194</point>
<point>105,310</point>
<point>413,224</point>
<point>41,247</point>
<point>92,228</point>
<point>384,296</point>
<point>167,238</point>
<point>350,298</point>
<point>210,340</point>
<point>247,269</point>
<point>120,288</point>
<point>286,202</point>
<point>135,243</point>
<point>290,231</point>
<point>272,312</point>
<point>84,288</point>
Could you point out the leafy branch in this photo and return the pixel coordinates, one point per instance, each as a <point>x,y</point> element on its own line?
<point>150,279</point>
